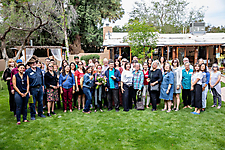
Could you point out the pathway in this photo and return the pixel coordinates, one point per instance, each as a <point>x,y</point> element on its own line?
<point>223,89</point>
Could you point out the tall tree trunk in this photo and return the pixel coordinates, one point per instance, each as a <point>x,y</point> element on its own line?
<point>4,54</point>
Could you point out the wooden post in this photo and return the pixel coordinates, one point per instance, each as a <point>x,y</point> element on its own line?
<point>174,53</point>
<point>219,50</point>
<point>151,54</point>
<point>185,51</point>
<point>168,51</point>
<point>162,51</point>
<point>177,52</point>
<point>25,53</point>
<point>130,55</point>
<point>196,55</point>
<point>120,51</point>
<point>48,52</point>
<point>61,52</point>
<point>207,56</point>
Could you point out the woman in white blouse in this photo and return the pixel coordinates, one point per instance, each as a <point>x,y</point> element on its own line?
<point>177,83</point>
<point>126,86</point>
<point>196,87</point>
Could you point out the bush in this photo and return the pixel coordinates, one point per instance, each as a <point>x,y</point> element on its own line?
<point>87,57</point>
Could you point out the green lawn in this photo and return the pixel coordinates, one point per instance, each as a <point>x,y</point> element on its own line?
<point>115,130</point>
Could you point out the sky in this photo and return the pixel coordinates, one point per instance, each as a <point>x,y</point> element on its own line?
<point>214,15</point>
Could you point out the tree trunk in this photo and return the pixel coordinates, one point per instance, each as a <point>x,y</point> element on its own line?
<point>4,54</point>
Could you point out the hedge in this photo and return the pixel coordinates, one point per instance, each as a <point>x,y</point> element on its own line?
<point>87,57</point>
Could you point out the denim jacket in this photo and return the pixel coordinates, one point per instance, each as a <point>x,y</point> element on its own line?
<point>87,82</point>
<point>118,78</point>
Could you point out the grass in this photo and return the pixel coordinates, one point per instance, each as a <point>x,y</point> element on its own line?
<point>115,130</point>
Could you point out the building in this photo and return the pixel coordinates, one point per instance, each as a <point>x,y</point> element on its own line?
<point>195,45</point>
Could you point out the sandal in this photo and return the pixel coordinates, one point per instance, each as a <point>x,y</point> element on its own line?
<point>101,110</point>
<point>53,113</point>
<point>173,108</point>
<point>26,121</point>
<point>95,110</point>
<point>64,111</point>
<point>168,111</point>
<point>163,110</point>
<point>49,115</point>
<point>177,110</point>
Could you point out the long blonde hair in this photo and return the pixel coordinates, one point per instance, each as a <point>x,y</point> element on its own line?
<point>10,61</point>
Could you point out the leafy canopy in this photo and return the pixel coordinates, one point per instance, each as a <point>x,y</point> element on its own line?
<point>142,36</point>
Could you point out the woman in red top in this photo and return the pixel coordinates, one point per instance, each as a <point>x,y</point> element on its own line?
<point>145,89</point>
<point>79,73</point>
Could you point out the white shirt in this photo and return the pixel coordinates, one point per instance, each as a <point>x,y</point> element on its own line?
<point>197,75</point>
<point>127,77</point>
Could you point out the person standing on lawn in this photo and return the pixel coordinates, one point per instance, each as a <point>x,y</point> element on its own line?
<point>79,73</point>
<point>138,82</point>
<point>154,79</point>
<point>145,88</point>
<point>51,83</point>
<point>196,87</point>
<point>36,87</point>
<point>186,85</point>
<point>167,87</point>
<point>126,86</point>
<point>21,86</point>
<point>104,93</point>
<point>118,67</point>
<point>87,85</point>
<point>73,70</point>
<point>113,78</point>
<point>98,88</point>
<point>67,87</point>
<point>177,83</point>
<point>205,82</point>
<point>7,78</point>
<point>215,85</point>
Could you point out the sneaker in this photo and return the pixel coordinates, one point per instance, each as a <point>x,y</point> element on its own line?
<point>218,107</point>
<point>32,118</point>
<point>49,115</point>
<point>42,116</point>
<point>153,110</point>
<point>117,110</point>
<point>101,110</point>
<point>53,113</point>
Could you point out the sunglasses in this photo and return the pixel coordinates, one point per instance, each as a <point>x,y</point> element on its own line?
<point>214,66</point>
<point>50,66</point>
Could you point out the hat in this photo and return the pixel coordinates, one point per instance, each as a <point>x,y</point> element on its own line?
<point>124,60</point>
<point>35,57</point>
<point>19,61</point>
<point>31,61</point>
<point>76,57</point>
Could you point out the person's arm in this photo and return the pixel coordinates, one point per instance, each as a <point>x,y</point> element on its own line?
<point>122,89</point>
<point>160,77</point>
<point>76,77</point>
<point>28,86</point>
<point>219,78</point>
<point>171,82</point>
<point>60,83</point>
<point>15,87</point>
<point>141,81</point>
<point>11,82</point>
<point>118,77</point>
<point>207,79</point>
<point>74,84</point>
<point>47,84</point>
<point>169,87</point>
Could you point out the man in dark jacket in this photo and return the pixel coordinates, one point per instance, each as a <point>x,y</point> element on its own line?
<point>113,78</point>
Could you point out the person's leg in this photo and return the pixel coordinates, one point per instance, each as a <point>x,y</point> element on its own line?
<point>144,94</point>
<point>19,103</point>
<point>219,99</point>
<point>130,94</point>
<point>70,97</point>
<point>40,101</point>
<point>169,103</point>
<point>214,96</point>
<point>184,97</point>
<point>198,97</point>
<point>109,96</point>
<point>33,92</point>
<point>59,101</point>
<point>193,98</point>
<point>65,99</point>
<point>49,106</point>
<point>126,98</point>
<point>120,97</point>
<point>88,100</point>
<point>178,101</point>
<point>116,99</point>
<point>165,105</point>
<point>25,101</point>
<point>148,98</point>
<point>75,96</point>
<point>174,101</point>
<point>154,98</point>
<point>79,100</point>
<point>83,101</point>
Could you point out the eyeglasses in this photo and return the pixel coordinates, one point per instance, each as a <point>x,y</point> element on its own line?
<point>50,66</point>
<point>80,64</point>
<point>214,66</point>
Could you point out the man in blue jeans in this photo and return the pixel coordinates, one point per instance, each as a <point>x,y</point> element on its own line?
<point>36,88</point>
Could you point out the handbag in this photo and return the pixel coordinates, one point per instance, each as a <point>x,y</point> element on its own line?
<point>155,87</point>
<point>140,105</point>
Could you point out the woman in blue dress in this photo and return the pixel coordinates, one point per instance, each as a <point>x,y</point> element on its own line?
<point>166,91</point>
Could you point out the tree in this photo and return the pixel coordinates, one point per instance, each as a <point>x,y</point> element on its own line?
<point>87,29</point>
<point>168,16</point>
<point>141,37</point>
<point>119,29</point>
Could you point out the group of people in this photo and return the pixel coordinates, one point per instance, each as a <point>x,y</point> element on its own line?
<point>115,83</point>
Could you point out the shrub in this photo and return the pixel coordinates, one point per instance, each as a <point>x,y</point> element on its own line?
<point>91,56</point>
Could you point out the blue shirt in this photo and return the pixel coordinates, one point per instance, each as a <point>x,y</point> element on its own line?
<point>35,77</point>
<point>206,78</point>
<point>186,79</point>
<point>66,81</point>
<point>111,81</point>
